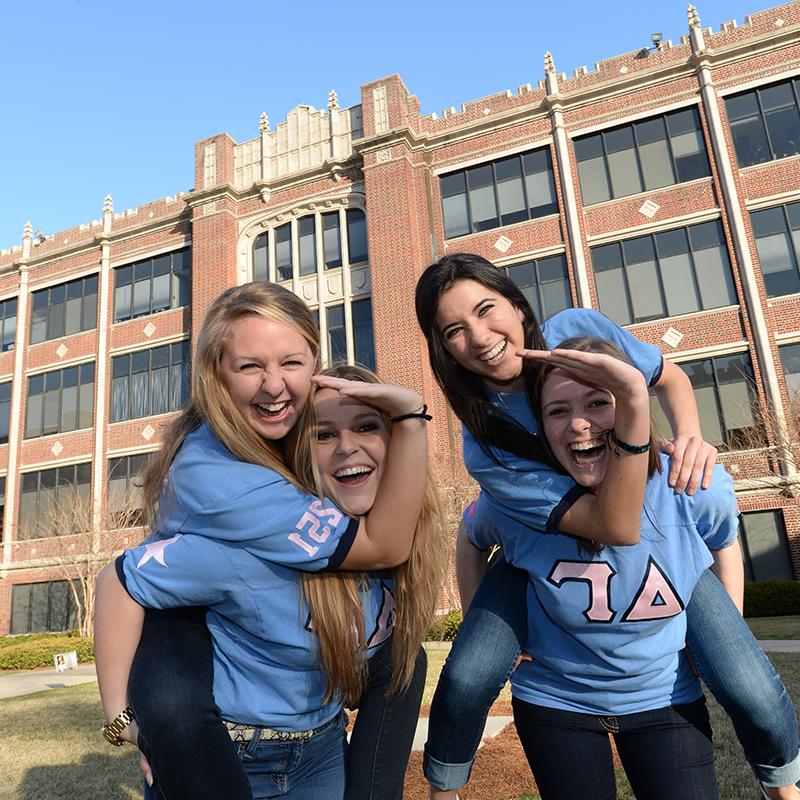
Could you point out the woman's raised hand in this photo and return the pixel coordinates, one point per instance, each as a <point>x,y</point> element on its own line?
<point>599,369</point>
<point>393,400</point>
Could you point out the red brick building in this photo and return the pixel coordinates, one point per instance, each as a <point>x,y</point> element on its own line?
<point>662,187</point>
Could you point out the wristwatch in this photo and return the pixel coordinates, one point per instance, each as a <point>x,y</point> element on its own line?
<point>113,729</point>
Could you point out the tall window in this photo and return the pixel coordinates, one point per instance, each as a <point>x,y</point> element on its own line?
<point>8,323</point>
<point>50,495</point>
<point>337,337</point>
<point>500,192</point>
<point>60,401</point>
<point>64,309</point>
<point>724,390</point>
<point>765,123</point>
<point>777,234</point>
<point>39,607</point>
<point>151,285</point>
<point>764,548</point>
<point>790,361</point>
<point>364,344</point>
<point>641,156</point>
<point>544,283</point>
<point>661,275</point>
<point>5,411</point>
<point>276,246</point>
<point>125,502</point>
<point>2,502</point>
<point>149,382</point>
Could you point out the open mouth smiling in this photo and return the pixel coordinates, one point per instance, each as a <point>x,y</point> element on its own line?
<point>271,409</point>
<point>589,452</point>
<point>496,351</point>
<point>353,475</point>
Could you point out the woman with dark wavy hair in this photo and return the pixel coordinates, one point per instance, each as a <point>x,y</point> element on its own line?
<point>480,331</point>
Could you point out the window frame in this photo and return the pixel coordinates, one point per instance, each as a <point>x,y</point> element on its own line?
<point>60,483</point>
<point>55,315</point>
<point>537,286</point>
<point>728,444</point>
<point>84,399</point>
<point>71,615</point>
<point>131,515</point>
<point>180,282</point>
<point>662,282</point>
<point>783,541</point>
<point>761,115</point>
<point>794,246</point>
<point>526,214</point>
<point>133,356</point>
<point>635,126</point>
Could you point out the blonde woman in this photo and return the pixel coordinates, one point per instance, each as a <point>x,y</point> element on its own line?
<point>238,522</point>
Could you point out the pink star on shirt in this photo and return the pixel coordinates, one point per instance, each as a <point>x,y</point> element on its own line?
<point>156,550</point>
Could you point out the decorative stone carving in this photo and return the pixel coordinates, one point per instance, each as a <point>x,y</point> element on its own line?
<point>381,109</point>
<point>333,100</point>
<point>263,122</point>
<point>694,17</point>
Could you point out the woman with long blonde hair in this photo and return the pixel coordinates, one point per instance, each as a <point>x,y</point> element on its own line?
<point>236,521</point>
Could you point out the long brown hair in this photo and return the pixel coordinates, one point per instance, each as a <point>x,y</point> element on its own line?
<point>464,390</point>
<point>335,606</point>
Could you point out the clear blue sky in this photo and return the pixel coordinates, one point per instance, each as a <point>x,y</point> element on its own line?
<point>109,97</point>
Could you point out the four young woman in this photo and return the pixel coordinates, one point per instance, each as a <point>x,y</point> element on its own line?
<point>241,529</point>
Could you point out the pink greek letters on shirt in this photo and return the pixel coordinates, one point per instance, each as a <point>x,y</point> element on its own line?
<point>656,599</point>
<point>598,576</point>
<point>384,625</point>
<point>310,527</point>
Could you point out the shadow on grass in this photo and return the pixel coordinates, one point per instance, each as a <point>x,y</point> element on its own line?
<point>95,775</point>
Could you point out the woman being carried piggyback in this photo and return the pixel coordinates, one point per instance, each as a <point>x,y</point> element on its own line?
<point>239,521</point>
<point>606,625</point>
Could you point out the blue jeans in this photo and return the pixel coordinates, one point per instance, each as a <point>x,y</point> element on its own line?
<point>309,770</point>
<point>383,734</point>
<point>189,749</point>
<point>666,753</point>
<point>724,650</point>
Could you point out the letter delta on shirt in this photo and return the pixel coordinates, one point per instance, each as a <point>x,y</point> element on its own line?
<point>607,630</point>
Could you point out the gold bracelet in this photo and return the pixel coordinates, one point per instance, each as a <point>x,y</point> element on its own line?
<point>113,729</point>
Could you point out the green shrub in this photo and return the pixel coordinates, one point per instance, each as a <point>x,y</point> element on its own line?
<point>772,599</point>
<point>444,629</point>
<point>37,650</point>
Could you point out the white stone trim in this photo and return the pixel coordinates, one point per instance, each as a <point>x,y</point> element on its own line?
<point>149,252</point>
<point>696,218</point>
<point>756,83</point>
<point>711,351</point>
<point>150,344</point>
<point>524,147</point>
<point>636,116</point>
<point>18,386</point>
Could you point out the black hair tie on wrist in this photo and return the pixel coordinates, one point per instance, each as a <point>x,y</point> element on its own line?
<point>420,413</point>
<point>635,449</point>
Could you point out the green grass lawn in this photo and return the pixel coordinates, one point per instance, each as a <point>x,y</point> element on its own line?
<point>52,748</point>
<point>775,627</point>
<point>735,780</point>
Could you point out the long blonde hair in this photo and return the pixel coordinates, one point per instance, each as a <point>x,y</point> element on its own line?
<point>210,400</point>
<point>335,606</point>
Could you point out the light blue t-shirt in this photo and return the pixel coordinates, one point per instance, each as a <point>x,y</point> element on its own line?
<point>233,537</point>
<point>530,491</point>
<point>607,630</point>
